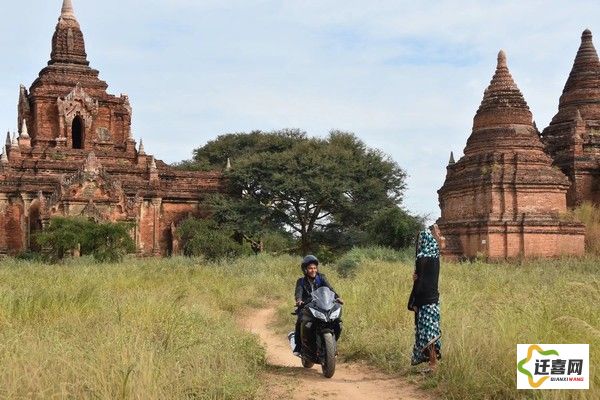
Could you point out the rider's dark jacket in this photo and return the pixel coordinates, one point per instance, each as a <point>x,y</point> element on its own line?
<point>304,287</point>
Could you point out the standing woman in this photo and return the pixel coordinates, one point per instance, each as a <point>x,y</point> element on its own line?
<point>424,300</point>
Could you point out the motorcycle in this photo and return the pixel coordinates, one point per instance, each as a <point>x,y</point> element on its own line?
<point>321,329</point>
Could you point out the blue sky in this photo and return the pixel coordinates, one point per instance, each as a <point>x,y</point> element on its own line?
<point>405,76</point>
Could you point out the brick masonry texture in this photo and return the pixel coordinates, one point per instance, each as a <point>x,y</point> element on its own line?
<point>505,198</point>
<point>74,156</point>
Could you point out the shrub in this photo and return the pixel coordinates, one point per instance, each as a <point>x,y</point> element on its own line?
<point>61,238</point>
<point>393,227</point>
<point>347,266</point>
<point>278,243</point>
<point>106,242</point>
<point>203,237</point>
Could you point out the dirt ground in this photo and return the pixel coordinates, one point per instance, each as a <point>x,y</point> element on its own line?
<point>287,379</point>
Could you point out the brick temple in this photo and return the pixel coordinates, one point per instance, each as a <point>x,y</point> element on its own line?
<point>573,136</point>
<point>504,198</point>
<point>74,155</point>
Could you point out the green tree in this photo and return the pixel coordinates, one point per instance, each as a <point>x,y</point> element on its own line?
<point>302,185</point>
<point>393,227</point>
<point>108,241</point>
<point>61,237</point>
<point>203,237</point>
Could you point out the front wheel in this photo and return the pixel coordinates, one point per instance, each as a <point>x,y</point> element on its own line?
<point>306,363</point>
<point>328,364</point>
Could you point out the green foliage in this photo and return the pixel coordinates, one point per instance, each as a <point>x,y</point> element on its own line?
<point>275,242</point>
<point>393,227</point>
<point>203,237</point>
<point>347,266</point>
<point>106,241</point>
<point>62,237</point>
<point>289,182</point>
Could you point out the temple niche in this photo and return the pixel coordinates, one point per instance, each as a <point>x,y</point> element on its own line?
<point>74,155</point>
<point>503,198</point>
<point>573,136</point>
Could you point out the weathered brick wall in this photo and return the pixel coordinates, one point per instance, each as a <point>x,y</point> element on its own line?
<point>503,198</point>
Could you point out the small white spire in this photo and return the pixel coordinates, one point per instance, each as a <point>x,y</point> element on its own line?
<point>141,150</point>
<point>14,142</point>
<point>153,164</point>
<point>24,132</point>
<point>4,158</point>
<point>228,166</point>
<point>67,9</point>
<point>502,59</point>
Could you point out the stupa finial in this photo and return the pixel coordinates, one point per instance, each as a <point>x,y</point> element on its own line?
<point>67,9</point>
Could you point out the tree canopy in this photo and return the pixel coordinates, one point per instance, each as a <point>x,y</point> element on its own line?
<point>287,181</point>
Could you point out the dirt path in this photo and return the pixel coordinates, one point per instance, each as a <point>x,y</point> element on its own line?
<point>286,379</point>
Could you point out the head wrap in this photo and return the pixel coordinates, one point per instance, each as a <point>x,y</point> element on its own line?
<point>427,246</point>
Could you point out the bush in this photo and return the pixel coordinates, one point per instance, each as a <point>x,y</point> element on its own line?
<point>347,266</point>
<point>61,238</point>
<point>203,237</point>
<point>393,227</point>
<point>106,242</point>
<point>278,243</point>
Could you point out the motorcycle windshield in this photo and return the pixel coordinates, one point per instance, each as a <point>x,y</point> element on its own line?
<point>324,298</point>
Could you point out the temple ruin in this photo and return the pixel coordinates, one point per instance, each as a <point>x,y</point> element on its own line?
<point>74,154</point>
<point>504,198</point>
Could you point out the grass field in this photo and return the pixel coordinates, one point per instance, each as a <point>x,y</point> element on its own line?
<point>153,329</point>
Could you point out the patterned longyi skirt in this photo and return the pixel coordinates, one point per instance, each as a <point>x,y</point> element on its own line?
<point>427,332</point>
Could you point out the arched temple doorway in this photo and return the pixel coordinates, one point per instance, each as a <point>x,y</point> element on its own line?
<point>77,132</point>
<point>35,224</point>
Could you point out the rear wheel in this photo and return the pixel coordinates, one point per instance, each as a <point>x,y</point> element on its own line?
<point>328,365</point>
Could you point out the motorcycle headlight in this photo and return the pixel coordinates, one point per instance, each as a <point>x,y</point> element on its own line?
<point>336,313</point>
<point>318,314</point>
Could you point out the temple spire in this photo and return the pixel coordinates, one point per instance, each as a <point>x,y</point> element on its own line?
<point>68,45</point>
<point>67,9</point>
<point>583,84</point>
<point>24,132</point>
<point>503,102</point>
<point>451,161</point>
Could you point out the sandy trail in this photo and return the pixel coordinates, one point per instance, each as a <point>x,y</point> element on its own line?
<point>287,379</point>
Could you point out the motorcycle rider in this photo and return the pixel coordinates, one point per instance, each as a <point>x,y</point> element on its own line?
<point>311,281</point>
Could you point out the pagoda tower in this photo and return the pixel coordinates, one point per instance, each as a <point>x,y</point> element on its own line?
<point>74,155</point>
<point>573,136</point>
<point>503,199</point>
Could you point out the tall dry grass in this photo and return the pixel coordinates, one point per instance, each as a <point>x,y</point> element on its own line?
<point>589,214</point>
<point>146,329</point>
<point>153,329</point>
<point>487,309</point>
